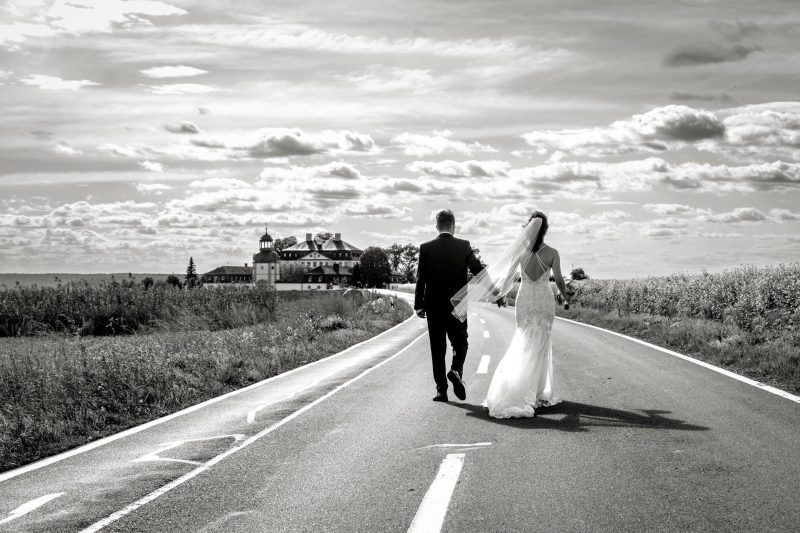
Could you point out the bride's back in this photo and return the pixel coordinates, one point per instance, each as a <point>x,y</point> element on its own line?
<point>538,264</point>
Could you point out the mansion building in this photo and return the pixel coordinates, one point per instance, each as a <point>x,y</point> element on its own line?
<point>326,263</point>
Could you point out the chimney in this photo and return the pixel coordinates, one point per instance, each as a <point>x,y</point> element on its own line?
<point>308,237</point>
<point>337,237</point>
<point>245,265</point>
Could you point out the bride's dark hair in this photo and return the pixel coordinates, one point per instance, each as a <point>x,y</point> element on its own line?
<point>542,230</point>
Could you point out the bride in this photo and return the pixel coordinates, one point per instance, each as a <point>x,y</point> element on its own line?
<point>523,380</point>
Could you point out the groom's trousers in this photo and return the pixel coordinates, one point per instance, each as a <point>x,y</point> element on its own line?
<point>442,325</point>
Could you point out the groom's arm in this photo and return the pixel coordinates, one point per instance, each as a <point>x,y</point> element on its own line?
<point>422,274</point>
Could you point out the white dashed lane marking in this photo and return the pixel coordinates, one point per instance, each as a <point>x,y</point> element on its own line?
<point>433,509</point>
<point>483,366</point>
<point>486,334</point>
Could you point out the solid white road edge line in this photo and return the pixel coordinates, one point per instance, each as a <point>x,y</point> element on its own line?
<point>483,366</point>
<point>754,383</point>
<point>131,431</point>
<point>97,526</point>
<point>433,509</point>
<point>32,505</point>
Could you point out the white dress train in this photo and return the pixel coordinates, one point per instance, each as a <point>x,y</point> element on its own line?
<point>523,380</point>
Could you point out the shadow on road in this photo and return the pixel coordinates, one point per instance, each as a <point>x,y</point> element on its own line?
<point>579,417</point>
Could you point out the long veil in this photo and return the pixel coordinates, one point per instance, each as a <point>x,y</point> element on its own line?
<point>497,279</point>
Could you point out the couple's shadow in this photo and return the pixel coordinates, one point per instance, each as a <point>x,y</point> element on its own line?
<point>579,417</point>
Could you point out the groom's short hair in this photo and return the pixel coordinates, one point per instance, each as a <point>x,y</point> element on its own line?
<point>445,219</point>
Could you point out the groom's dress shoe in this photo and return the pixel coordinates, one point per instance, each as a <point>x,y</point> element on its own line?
<point>441,397</point>
<point>458,385</point>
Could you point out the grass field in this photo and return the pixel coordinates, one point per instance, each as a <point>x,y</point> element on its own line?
<point>58,391</point>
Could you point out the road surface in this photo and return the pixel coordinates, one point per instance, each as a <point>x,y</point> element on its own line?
<point>642,441</point>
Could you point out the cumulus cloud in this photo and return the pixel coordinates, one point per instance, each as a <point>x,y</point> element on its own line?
<point>152,166</point>
<point>708,53</point>
<point>179,71</point>
<point>334,169</point>
<point>53,83</point>
<point>675,209</point>
<point>763,132</point>
<point>183,88</point>
<point>657,233</point>
<point>784,214</point>
<point>770,130</point>
<point>219,183</point>
<point>424,145</point>
<point>740,214</point>
<point>182,127</point>
<point>461,169</point>
<point>63,147</point>
<point>152,188</point>
<point>270,143</point>
<point>376,210</point>
<point>657,130</point>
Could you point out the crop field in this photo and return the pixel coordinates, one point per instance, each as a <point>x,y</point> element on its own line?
<point>746,318</point>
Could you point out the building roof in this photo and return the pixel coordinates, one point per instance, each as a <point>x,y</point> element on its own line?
<point>266,237</point>
<point>331,245</point>
<point>329,271</point>
<point>266,256</point>
<point>230,271</point>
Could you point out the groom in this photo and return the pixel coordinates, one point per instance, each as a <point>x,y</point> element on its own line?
<point>442,271</point>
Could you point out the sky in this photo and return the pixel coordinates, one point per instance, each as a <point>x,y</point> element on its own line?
<point>658,136</point>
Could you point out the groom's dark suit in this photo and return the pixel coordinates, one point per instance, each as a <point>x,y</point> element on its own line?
<point>442,271</point>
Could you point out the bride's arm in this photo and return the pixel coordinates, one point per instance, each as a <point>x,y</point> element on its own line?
<point>562,287</point>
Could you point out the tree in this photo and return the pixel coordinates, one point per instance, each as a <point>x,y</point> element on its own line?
<point>477,252</point>
<point>191,274</point>
<point>282,244</point>
<point>375,267</point>
<point>292,273</point>
<point>395,253</point>
<point>174,281</point>
<point>324,236</point>
<point>409,262</point>
<point>147,282</point>
<point>356,279</point>
<point>578,274</point>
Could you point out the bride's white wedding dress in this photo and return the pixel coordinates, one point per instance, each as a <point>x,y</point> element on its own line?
<point>523,380</point>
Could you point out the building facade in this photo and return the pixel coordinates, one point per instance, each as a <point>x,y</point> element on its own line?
<point>325,262</point>
<point>266,263</point>
<point>313,253</point>
<point>229,274</point>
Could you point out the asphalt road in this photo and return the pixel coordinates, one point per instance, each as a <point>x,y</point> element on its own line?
<point>642,441</point>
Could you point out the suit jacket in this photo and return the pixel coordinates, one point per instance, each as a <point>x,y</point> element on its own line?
<point>442,271</point>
